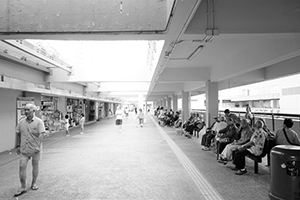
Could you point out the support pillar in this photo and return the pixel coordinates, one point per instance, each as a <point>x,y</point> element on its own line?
<point>140,101</point>
<point>164,103</point>
<point>186,105</point>
<point>169,106</point>
<point>175,102</point>
<point>212,101</point>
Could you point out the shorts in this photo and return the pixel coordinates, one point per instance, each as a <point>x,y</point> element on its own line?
<point>118,122</point>
<point>34,156</point>
<point>141,120</point>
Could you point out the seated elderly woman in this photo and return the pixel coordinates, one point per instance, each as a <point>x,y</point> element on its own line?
<point>253,147</point>
<point>199,123</point>
<point>227,135</point>
<point>189,125</point>
<point>245,132</point>
<point>178,122</point>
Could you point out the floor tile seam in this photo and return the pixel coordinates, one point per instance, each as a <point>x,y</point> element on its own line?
<point>199,180</point>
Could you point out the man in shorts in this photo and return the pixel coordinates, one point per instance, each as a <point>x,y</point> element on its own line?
<point>30,131</point>
<point>119,118</point>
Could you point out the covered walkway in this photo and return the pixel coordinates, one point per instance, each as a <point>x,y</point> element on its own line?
<point>140,163</point>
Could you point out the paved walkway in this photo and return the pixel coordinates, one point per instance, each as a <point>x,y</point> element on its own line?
<point>152,162</point>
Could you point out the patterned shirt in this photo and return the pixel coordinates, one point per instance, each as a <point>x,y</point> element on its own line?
<point>258,138</point>
<point>29,132</point>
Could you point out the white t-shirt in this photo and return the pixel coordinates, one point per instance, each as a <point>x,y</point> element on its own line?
<point>219,126</point>
<point>67,124</point>
<point>119,114</point>
<point>82,120</point>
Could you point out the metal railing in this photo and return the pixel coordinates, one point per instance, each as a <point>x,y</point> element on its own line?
<point>273,120</point>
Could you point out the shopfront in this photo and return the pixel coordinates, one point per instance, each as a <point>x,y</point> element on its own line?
<point>90,110</point>
<point>50,114</point>
<point>75,107</point>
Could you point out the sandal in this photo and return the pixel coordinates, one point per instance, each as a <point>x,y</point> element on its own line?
<point>19,193</point>
<point>34,187</point>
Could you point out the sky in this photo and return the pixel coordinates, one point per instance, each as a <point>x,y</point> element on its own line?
<point>102,61</point>
<point>92,57</point>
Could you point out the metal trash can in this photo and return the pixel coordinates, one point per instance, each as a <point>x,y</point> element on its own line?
<point>285,173</point>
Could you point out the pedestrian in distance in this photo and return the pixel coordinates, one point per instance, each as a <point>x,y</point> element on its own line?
<point>126,112</point>
<point>81,123</point>
<point>119,118</point>
<point>30,132</point>
<point>141,117</point>
<point>66,125</point>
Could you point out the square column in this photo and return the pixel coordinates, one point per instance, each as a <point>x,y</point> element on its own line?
<point>164,103</point>
<point>212,101</point>
<point>175,102</point>
<point>186,105</point>
<point>169,106</point>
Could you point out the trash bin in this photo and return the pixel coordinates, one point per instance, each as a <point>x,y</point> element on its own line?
<point>285,173</point>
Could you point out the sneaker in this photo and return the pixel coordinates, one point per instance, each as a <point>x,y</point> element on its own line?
<point>241,172</point>
<point>206,149</point>
<point>68,135</point>
<point>223,159</point>
<point>81,133</point>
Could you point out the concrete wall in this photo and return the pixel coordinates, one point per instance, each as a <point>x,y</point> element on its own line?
<point>69,86</point>
<point>8,119</point>
<point>21,72</point>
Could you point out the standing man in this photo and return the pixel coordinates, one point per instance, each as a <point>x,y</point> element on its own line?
<point>119,118</point>
<point>30,131</point>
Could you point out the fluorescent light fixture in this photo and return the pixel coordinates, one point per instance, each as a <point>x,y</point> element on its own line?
<point>197,50</point>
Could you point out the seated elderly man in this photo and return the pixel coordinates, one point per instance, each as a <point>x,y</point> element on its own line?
<point>245,133</point>
<point>286,135</point>
<point>253,147</point>
<point>219,125</point>
<point>209,134</point>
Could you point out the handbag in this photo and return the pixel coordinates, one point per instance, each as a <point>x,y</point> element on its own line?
<point>288,138</point>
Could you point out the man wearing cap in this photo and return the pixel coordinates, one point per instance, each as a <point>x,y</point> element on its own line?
<point>30,131</point>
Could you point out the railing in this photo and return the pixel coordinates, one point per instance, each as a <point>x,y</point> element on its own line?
<point>273,120</point>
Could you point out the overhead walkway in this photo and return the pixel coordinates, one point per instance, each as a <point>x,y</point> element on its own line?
<point>152,162</point>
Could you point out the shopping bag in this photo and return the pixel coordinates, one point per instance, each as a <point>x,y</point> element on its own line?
<point>144,120</point>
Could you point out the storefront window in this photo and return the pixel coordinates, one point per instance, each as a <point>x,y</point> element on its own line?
<point>49,113</point>
<point>74,109</point>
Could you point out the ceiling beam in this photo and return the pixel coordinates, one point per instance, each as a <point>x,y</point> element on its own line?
<point>185,74</point>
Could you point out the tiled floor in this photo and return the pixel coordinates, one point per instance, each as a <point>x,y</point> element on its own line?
<point>152,162</point>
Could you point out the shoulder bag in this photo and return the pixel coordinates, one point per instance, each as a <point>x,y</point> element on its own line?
<point>288,138</point>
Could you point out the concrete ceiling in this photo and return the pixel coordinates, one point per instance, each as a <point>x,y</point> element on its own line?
<point>232,42</point>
